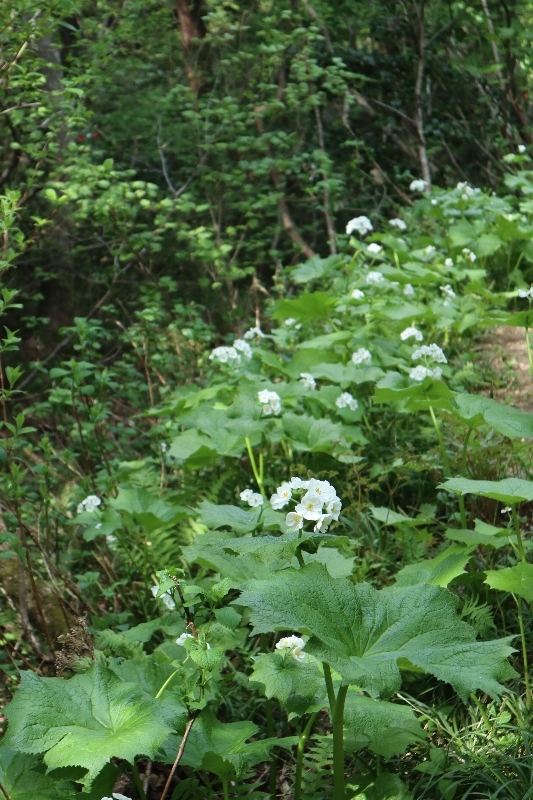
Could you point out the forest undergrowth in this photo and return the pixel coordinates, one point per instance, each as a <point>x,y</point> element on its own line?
<point>293,560</point>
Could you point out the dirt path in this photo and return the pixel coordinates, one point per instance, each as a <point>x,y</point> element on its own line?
<point>506,352</point>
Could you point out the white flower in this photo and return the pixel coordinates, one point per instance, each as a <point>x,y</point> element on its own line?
<point>420,372</point>
<point>307,380</point>
<point>243,347</point>
<point>361,356</point>
<point>293,645</point>
<point>373,278</point>
<point>310,506</point>
<point>522,148</point>
<point>408,290</point>
<point>357,294</point>
<point>431,351</point>
<point>430,250</point>
<point>506,510</point>
<point>323,523</point>
<point>166,598</point>
<point>298,483</point>
<point>290,322</point>
<point>411,332</point>
<point>448,262</point>
<point>90,504</point>
<point>256,500</point>
<point>472,256</point>
<point>181,639</point>
<point>398,223</point>
<point>252,332</point>
<point>333,508</point>
<point>448,291</point>
<point>360,224</point>
<point>417,185</point>
<point>294,521</point>
<point>246,494</point>
<point>282,496</point>
<point>374,248</point>
<point>111,540</point>
<point>346,399</point>
<point>322,489</point>
<point>271,402</point>
<point>116,796</point>
<point>526,293</point>
<point>225,355</point>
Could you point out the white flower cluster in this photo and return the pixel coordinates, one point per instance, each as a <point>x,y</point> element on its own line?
<point>522,148</point>
<point>360,224</point>
<point>430,250</point>
<point>253,332</point>
<point>374,278</point>
<point>374,248</point>
<point>184,636</point>
<point>357,294</point>
<point>231,355</point>
<point>408,290</point>
<point>90,504</point>
<point>526,293</point>
<point>307,380</point>
<point>417,185</point>
<point>411,331</point>
<point>254,499</point>
<point>398,223</point>
<point>467,191</point>
<point>311,507</point>
<point>361,356</point>
<point>345,400</point>
<point>293,646</point>
<point>431,352</point>
<point>448,262</point>
<point>271,402</point>
<point>116,796</point>
<point>166,598</point>
<point>469,254</point>
<point>448,293</point>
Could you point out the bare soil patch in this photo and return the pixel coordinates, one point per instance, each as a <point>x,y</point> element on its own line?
<point>506,353</point>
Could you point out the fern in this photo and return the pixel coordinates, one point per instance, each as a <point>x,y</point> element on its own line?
<point>318,769</point>
<point>479,616</point>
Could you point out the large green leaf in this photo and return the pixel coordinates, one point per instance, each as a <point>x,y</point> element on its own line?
<point>148,509</point>
<point>362,632</point>
<point>439,571</point>
<point>509,490</point>
<point>84,721</point>
<point>385,728</point>
<point>306,307</point>
<point>298,685</point>
<point>483,534</point>
<point>238,519</point>
<point>23,778</point>
<point>517,579</point>
<point>308,433</point>
<point>509,421</point>
<point>394,388</point>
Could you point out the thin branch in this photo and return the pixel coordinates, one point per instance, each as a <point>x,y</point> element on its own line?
<point>312,13</point>
<point>329,222</point>
<point>178,756</point>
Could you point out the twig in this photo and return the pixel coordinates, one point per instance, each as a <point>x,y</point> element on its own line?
<point>4,792</point>
<point>178,756</point>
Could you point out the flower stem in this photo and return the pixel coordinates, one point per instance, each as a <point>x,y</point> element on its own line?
<point>258,473</point>
<point>447,466</point>
<point>300,756</point>
<point>518,602</point>
<point>338,745</point>
<point>329,686</point>
<point>519,541</point>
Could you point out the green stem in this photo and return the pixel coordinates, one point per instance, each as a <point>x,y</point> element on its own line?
<point>271,733</point>
<point>137,782</point>
<point>300,558</point>
<point>162,689</point>
<point>257,472</point>
<point>519,541</point>
<point>225,789</point>
<point>529,354</point>
<point>338,745</point>
<point>300,756</point>
<point>524,650</point>
<point>463,473</point>
<point>329,686</point>
<point>447,466</point>
<point>481,711</point>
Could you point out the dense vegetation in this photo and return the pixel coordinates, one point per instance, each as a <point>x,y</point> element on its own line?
<point>264,529</point>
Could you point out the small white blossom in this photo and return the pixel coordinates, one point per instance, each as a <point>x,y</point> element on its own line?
<point>346,400</point>
<point>374,248</point>
<point>408,290</point>
<point>506,510</point>
<point>420,372</point>
<point>411,332</point>
<point>116,796</point>
<point>398,223</point>
<point>322,489</point>
<point>225,355</point>
<point>290,322</point>
<point>181,639</point>
<point>246,494</point>
<point>111,540</point>
<point>251,333</point>
<point>434,202</point>
<point>298,483</point>
<point>293,645</point>
<point>417,185</point>
<point>360,224</point>
<point>522,148</point>
<point>294,521</point>
<point>374,278</point>
<point>166,598</point>
<point>430,250</point>
<point>310,506</point>
<point>448,262</point>
<point>271,402</point>
<point>90,504</point>
<point>323,523</point>
<point>526,293</point>
<point>307,380</point>
<point>357,294</point>
<point>334,507</point>
<point>361,356</point>
<point>448,291</point>
<point>472,256</point>
<point>282,496</point>
<point>253,499</point>
<point>243,347</point>
<point>432,351</point>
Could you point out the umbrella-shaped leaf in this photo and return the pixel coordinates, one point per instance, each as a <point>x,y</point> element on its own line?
<point>23,778</point>
<point>510,490</point>
<point>517,579</point>
<point>362,632</point>
<point>385,728</point>
<point>298,685</point>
